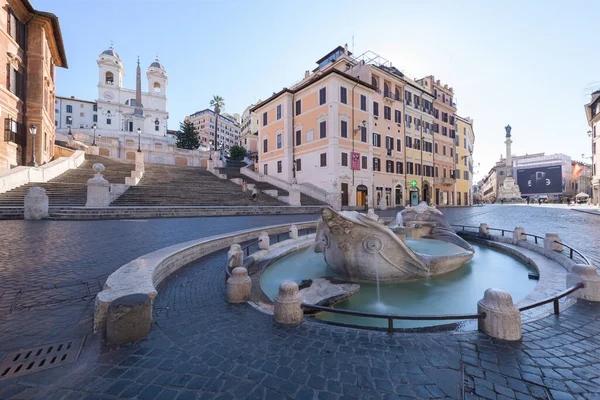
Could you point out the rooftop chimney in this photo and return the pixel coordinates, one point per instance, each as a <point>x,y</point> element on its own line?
<point>306,74</point>
<point>72,97</point>
<point>346,49</point>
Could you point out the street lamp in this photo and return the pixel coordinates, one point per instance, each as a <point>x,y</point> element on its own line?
<point>139,131</point>
<point>70,133</point>
<point>94,127</point>
<point>210,142</point>
<point>33,131</point>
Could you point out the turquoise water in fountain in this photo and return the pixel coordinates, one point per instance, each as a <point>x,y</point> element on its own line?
<point>453,293</point>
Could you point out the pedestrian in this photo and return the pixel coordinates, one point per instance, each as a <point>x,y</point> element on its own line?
<point>254,194</point>
<point>244,185</point>
<point>540,201</point>
<point>528,201</point>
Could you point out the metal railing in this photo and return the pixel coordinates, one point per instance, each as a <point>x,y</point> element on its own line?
<point>390,318</point>
<point>553,299</point>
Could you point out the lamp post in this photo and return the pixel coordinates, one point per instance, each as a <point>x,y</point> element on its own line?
<point>210,142</point>
<point>33,131</point>
<point>70,133</point>
<point>94,127</point>
<point>139,131</point>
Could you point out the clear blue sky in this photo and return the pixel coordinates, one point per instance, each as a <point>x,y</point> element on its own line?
<point>527,63</point>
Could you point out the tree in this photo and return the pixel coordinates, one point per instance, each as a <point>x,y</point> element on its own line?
<point>187,137</point>
<point>218,103</point>
<point>237,152</point>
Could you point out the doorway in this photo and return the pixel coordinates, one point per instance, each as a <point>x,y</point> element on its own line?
<point>399,196</point>
<point>414,196</point>
<point>344,194</point>
<point>426,192</point>
<point>361,196</point>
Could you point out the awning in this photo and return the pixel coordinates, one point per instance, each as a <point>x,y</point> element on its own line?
<point>580,195</point>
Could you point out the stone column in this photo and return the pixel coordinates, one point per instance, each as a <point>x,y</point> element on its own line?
<point>550,242</point>
<point>239,286</point>
<point>519,234</point>
<point>484,229</point>
<point>294,196</point>
<point>35,204</point>
<point>236,255</point>
<point>264,241</point>
<point>93,150</point>
<point>508,157</point>
<point>293,232</point>
<point>288,304</point>
<point>503,319</point>
<point>129,318</point>
<point>98,189</point>
<point>588,275</point>
<point>139,161</point>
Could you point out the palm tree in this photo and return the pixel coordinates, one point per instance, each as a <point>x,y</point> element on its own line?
<point>217,103</point>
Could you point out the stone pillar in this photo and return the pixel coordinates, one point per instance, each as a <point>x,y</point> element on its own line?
<point>588,274</point>
<point>503,319</point>
<point>334,199</point>
<point>383,203</point>
<point>236,255</point>
<point>519,234</point>
<point>35,204</point>
<point>93,150</point>
<point>264,241</point>
<point>371,214</point>
<point>129,318</point>
<point>293,232</point>
<point>550,242</point>
<point>239,286</point>
<point>98,189</point>
<point>484,229</point>
<point>288,304</point>
<point>294,196</point>
<point>139,161</point>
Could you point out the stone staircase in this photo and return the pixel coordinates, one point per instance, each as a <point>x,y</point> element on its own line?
<point>68,189</point>
<point>166,185</point>
<point>234,173</point>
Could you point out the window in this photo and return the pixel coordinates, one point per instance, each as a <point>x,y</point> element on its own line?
<point>363,102</point>
<point>279,141</point>
<point>344,129</point>
<point>418,169</point>
<point>417,144</point>
<point>436,171</point>
<point>436,148</point>
<point>265,145</point>
<point>156,128</point>
<point>387,113</point>
<point>16,29</point>
<point>298,137</point>
<point>69,109</point>
<point>409,168</point>
<point>399,144</point>
<point>298,164</point>
<point>375,109</point>
<point>156,87</point>
<point>298,107</point>
<point>344,159</point>
<point>323,157</point>
<point>265,118</point>
<point>109,78</point>
<point>310,136</point>
<point>69,120</point>
<point>322,129</point>
<point>408,97</point>
<point>81,114</point>
<point>445,173</point>
<point>266,169</point>
<point>363,134</point>
<point>444,131</point>
<point>408,142</point>
<point>399,167</point>
<point>397,116</point>
<point>389,166</point>
<point>364,162</point>
<point>451,152</point>
<point>108,121</point>
<point>322,96</point>
<point>444,150</point>
<point>279,112</point>
<point>374,82</point>
<point>343,95</point>
<point>95,118</point>
<point>279,167</point>
<point>376,140</point>
<point>95,107</point>
<point>465,143</point>
<point>466,175</point>
<point>408,119</point>
<point>389,143</point>
<point>376,166</point>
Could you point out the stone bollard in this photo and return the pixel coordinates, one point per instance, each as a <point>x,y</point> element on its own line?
<point>550,242</point>
<point>264,241</point>
<point>239,286</point>
<point>588,274</point>
<point>503,319</point>
<point>236,255</point>
<point>484,229</point>
<point>98,194</point>
<point>519,234</point>
<point>371,214</point>
<point>35,204</point>
<point>129,318</point>
<point>293,232</point>
<point>294,196</point>
<point>139,161</point>
<point>288,304</point>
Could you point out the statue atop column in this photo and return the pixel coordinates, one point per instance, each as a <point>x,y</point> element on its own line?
<point>508,129</point>
<point>508,190</point>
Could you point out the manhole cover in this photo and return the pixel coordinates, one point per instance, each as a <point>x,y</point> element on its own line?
<point>27,361</point>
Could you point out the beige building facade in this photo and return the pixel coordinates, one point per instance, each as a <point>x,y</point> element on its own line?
<point>228,133</point>
<point>592,111</point>
<point>31,48</point>
<point>464,144</point>
<point>249,130</point>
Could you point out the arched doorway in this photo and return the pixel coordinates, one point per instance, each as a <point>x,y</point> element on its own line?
<point>399,195</point>
<point>426,192</point>
<point>361,196</point>
<point>414,196</point>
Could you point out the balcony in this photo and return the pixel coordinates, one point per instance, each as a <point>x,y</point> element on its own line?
<point>444,181</point>
<point>391,95</point>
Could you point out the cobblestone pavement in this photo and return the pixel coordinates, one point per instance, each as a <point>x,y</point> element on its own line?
<point>201,347</point>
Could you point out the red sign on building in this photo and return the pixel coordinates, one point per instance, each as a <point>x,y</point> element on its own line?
<point>355,164</point>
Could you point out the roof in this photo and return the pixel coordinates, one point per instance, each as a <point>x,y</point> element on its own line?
<point>74,99</point>
<point>157,64</point>
<point>310,82</point>
<point>111,52</point>
<point>55,29</point>
<point>339,48</point>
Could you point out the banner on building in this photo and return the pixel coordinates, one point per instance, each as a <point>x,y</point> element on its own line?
<point>355,160</point>
<point>540,180</point>
<point>577,170</point>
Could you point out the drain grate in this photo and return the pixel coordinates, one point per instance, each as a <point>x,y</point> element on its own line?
<point>28,361</point>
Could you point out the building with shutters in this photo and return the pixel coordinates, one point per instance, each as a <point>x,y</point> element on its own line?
<point>464,143</point>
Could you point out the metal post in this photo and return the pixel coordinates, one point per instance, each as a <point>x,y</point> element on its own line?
<point>556,308</point>
<point>390,325</point>
<point>571,253</point>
